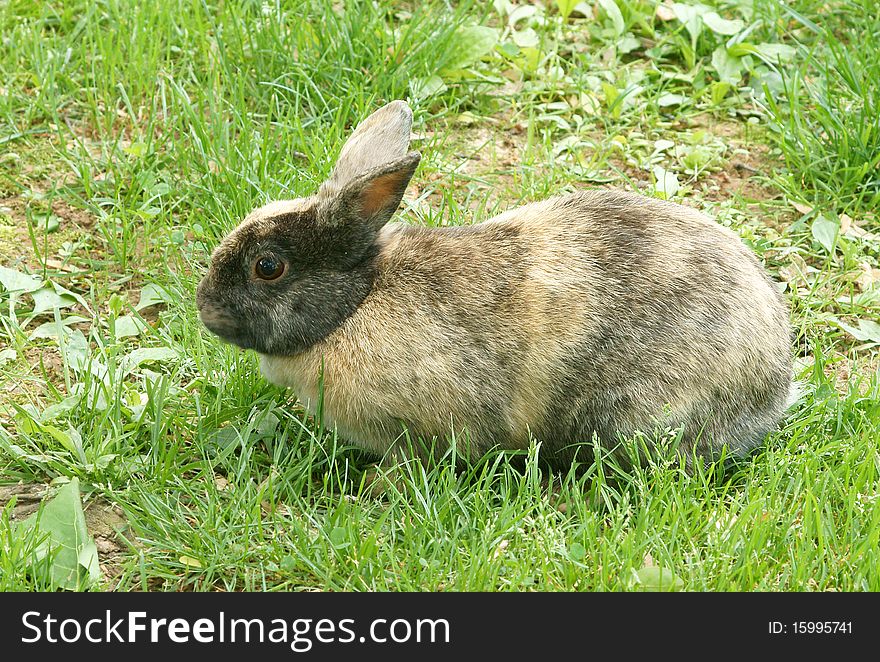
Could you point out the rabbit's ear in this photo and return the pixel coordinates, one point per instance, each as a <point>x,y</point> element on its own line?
<point>380,139</point>
<point>370,198</point>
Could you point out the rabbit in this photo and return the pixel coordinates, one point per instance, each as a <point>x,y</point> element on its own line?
<point>592,317</point>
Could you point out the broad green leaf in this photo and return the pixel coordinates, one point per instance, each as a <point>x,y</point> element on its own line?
<point>46,223</point>
<point>135,358</point>
<point>508,49</point>
<point>128,325</point>
<point>226,438</point>
<point>522,12</point>
<point>473,42</point>
<point>824,231</point>
<point>136,150</point>
<point>69,403</point>
<point>576,551</point>
<point>47,299</point>
<point>116,304</point>
<point>771,53</point>
<point>613,12</point>
<point>527,38</point>
<point>691,16</point>
<point>152,294</point>
<point>718,90</point>
<point>339,537</point>
<point>769,79</point>
<point>775,52</point>
<point>71,342</point>
<point>267,424</point>
<point>426,88</point>
<point>64,292</point>
<point>161,188</point>
<point>729,68</point>
<point>611,93</point>
<point>51,329</point>
<point>503,7</point>
<point>60,436</point>
<point>867,331</point>
<point>15,281</point>
<point>667,182</point>
<point>565,7</point>
<point>628,44</point>
<point>667,100</point>
<point>570,143</point>
<point>697,157</point>
<point>528,59</point>
<point>655,578</point>
<point>27,420</point>
<point>719,25</point>
<point>74,555</point>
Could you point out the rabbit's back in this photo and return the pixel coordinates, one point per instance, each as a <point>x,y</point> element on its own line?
<point>599,312</point>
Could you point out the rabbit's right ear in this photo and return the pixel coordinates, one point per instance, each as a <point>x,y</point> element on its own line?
<point>371,198</point>
<point>380,139</point>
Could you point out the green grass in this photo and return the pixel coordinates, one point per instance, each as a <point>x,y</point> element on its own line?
<point>832,145</point>
<point>147,130</point>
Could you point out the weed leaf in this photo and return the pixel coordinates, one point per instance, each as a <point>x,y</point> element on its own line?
<point>74,564</point>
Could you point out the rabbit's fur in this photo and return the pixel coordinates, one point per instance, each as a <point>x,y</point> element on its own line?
<point>597,313</point>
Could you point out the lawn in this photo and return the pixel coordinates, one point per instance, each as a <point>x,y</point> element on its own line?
<point>135,135</point>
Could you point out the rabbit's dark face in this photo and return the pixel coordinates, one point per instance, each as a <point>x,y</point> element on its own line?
<point>286,278</point>
<point>295,270</point>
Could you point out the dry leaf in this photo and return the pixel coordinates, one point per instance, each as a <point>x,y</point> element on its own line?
<point>190,562</point>
<point>795,271</point>
<point>58,265</point>
<point>845,223</point>
<point>665,12</point>
<point>868,278</point>
<point>221,483</point>
<point>500,549</point>
<point>802,208</point>
<point>860,233</point>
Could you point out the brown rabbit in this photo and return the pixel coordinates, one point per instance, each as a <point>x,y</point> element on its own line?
<point>597,313</point>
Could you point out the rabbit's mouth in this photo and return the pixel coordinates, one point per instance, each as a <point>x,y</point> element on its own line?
<point>224,326</point>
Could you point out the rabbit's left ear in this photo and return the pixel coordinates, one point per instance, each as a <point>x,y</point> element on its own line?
<point>371,198</point>
<point>380,139</point>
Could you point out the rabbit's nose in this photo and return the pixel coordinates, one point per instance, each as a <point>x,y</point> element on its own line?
<point>216,319</point>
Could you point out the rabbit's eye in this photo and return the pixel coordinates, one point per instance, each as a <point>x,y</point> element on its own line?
<point>269,268</point>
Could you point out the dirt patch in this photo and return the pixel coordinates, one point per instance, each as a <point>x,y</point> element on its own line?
<point>745,164</point>
<point>486,157</point>
<point>112,535</point>
<point>15,241</point>
<point>82,219</point>
<point>844,373</point>
<point>742,176</point>
<point>481,160</point>
<point>46,362</point>
<point>27,498</point>
<point>16,245</point>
